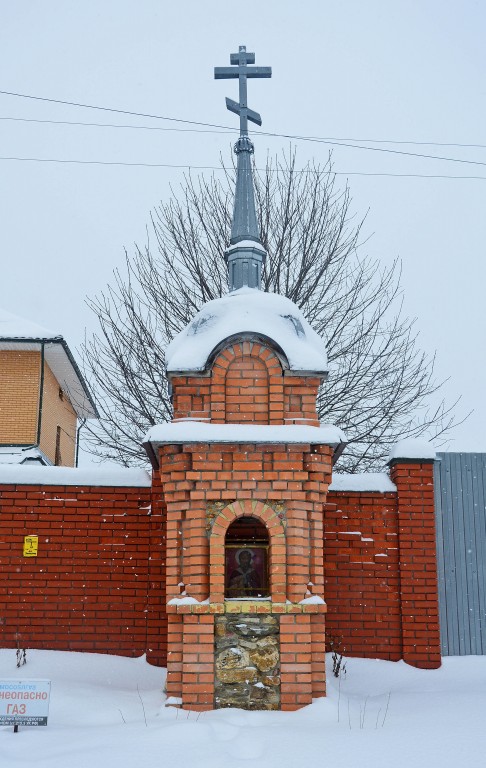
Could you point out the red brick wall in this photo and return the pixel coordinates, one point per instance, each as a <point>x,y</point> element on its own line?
<point>93,587</point>
<point>98,582</point>
<point>381,570</point>
<point>362,579</point>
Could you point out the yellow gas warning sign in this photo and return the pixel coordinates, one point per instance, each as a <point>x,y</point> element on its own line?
<point>31,545</point>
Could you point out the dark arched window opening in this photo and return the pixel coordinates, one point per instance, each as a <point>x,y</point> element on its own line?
<point>246,559</point>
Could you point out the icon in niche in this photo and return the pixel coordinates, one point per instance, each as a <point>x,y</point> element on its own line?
<point>246,571</point>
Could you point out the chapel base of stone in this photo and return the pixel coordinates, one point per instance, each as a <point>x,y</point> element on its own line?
<point>248,655</point>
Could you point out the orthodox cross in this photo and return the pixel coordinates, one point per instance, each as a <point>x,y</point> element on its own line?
<point>246,255</point>
<point>242,71</point>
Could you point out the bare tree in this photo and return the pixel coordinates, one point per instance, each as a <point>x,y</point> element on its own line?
<point>380,383</point>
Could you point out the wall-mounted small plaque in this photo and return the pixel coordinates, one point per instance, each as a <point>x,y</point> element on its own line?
<point>31,545</point>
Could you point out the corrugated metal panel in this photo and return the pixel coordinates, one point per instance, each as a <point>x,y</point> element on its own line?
<point>460,505</point>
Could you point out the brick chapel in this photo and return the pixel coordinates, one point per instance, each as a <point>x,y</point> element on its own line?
<point>241,554</point>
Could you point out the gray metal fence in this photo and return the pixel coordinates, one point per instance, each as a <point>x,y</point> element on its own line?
<point>460,506</point>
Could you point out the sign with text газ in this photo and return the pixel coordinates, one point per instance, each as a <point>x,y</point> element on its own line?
<point>24,702</point>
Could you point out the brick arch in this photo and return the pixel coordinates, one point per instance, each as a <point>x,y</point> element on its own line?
<point>277,551</point>
<point>246,377</point>
<point>246,389</point>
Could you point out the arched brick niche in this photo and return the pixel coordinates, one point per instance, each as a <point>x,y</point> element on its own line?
<point>276,547</point>
<point>246,558</point>
<point>246,381</point>
<point>247,391</point>
<point>247,385</point>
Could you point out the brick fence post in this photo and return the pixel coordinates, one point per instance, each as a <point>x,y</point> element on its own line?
<point>412,470</point>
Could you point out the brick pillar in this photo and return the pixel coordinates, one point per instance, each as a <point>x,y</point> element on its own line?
<point>156,597</point>
<point>196,553</point>
<point>190,662</point>
<point>198,662</point>
<point>296,661</point>
<point>298,554</point>
<point>318,654</point>
<point>418,561</point>
<point>174,656</point>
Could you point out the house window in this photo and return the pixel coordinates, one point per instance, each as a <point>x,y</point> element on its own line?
<point>246,559</point>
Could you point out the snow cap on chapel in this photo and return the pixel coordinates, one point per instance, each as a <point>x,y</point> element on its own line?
<point>271,318</point>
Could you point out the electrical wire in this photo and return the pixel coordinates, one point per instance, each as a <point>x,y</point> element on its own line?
<point>118,125</point>
<point>220,168</point>
<point>232,130</point>
<point>315,139</point>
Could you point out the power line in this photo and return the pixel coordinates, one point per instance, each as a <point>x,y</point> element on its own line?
<point>232,130</point>
<point>219,168</point>
<point>118,125</point>
<point>315,139</point>
<point>113,162</point>
<point>381,149</point>
<point>110,109</point>
<point>407,175</point>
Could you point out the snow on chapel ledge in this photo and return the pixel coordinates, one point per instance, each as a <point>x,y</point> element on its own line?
<point>201,432</point>
<point>248,310</point>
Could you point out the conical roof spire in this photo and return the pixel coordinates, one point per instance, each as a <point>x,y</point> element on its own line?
<point>245,256</point>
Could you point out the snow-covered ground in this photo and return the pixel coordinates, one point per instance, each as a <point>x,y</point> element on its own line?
<point>107,712</point>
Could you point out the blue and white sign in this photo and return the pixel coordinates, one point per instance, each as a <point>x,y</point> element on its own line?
<point>24,702</point>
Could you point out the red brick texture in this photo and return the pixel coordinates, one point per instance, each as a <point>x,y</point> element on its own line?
<point>362,579</point>
<point>98,582</point>
<point>246,385</point>
<point>381,571</point>
<point>418,563</point>
<point>302,659</point>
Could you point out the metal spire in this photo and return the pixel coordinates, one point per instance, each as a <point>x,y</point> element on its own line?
<point>245,256</point>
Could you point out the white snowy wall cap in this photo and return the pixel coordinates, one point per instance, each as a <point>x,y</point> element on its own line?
<point>363,482</point>
<point>412,449</point>
<point>107,476</point>
<point>248,310</point>
<point>202,432</point>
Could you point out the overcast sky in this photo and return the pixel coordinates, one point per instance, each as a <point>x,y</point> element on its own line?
<point>353,71</point>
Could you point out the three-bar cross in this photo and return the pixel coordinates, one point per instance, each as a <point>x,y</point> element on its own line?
<point>242,71</point>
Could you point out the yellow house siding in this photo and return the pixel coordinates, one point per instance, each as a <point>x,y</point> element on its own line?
<point>19,396</point>
<point>57,412</point>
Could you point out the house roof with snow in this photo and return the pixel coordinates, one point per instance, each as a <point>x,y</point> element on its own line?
<point>16,333</point>
<point>21,454</point>
<point>268,316</point>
